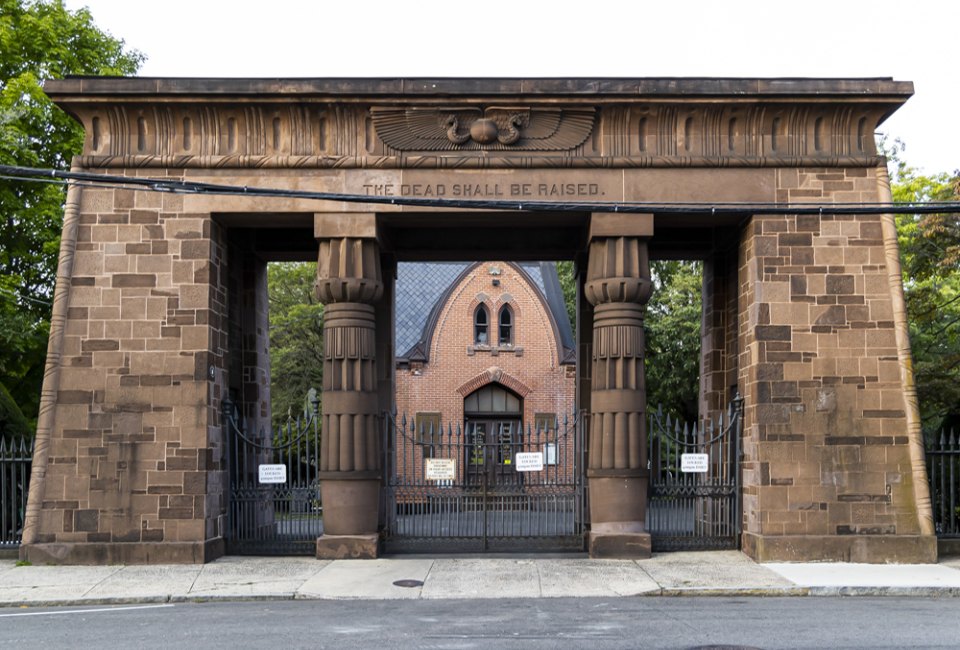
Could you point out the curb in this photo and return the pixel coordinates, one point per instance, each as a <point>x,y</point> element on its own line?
<point>690,592</point>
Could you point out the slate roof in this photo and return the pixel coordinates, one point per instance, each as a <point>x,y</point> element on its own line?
<point>421,286</point>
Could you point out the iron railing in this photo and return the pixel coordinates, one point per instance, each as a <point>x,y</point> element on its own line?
<point>460,488</point>
<point>274,502</point>
<point>943,469</point>
<point>694,501</point>
<point>15,461</point>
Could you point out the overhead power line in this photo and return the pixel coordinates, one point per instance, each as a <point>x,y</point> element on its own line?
<point>703,207</point>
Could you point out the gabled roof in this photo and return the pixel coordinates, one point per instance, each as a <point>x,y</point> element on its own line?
<point>423,287</point>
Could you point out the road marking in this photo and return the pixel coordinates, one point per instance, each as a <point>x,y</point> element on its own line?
<point>85,611</point>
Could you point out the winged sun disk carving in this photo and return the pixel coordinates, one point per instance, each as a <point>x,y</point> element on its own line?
<point>475,128</point>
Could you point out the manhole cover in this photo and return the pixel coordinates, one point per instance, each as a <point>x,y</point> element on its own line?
<point>408,583</point>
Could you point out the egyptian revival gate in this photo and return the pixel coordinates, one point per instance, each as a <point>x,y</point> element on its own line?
<point>160,311</point>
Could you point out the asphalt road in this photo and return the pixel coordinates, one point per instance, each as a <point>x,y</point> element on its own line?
<point>593,623</point>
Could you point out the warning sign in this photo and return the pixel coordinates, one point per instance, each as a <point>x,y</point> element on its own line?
<point>529,461</point>
<point>694,463</point>
<point>440,469</point>
<point>273,473</point>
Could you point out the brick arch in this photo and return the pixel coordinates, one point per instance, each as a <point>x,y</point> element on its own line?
<point>494,375</point>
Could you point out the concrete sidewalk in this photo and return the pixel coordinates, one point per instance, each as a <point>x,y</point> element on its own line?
<point>723,573</point>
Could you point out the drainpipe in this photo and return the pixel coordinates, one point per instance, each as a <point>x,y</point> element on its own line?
<point>921,488</point>
<point>51,373</point>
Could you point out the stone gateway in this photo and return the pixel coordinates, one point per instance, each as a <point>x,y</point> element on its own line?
<point>160,310</point>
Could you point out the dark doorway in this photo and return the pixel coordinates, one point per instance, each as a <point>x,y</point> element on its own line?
<point>492,417</point>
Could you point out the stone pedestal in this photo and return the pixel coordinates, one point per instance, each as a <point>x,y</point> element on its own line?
<point>618,505</point>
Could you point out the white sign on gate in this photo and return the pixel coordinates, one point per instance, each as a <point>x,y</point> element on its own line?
<point>440,469</point>
<point>694,463</point>
<point>273,473</point>
<point>529,461</point>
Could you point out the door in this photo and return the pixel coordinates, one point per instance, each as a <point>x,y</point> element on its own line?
<point>491,447</point>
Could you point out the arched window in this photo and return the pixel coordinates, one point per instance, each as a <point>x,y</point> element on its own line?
<point>506,326</point>
<point>481,321</point>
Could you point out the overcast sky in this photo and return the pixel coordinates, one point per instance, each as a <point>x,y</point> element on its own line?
<point>910,41</point>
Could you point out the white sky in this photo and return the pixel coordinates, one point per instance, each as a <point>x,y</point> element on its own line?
<point>909,41</point>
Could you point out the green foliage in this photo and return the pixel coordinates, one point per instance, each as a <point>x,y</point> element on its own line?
<point>930,252</point>
<point>38,40</point>
<point>568,284</point>
<point>12,422</point>
<point>673,338</point>
<point>296,338</point>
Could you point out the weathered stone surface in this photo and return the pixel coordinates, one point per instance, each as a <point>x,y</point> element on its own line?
<point>347,547</point>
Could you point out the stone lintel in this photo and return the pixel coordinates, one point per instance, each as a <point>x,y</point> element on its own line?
<point>611,224</point>
<point>619,546</point>
<point>865,549</point>
<point>357,225</point>
<point>124,552</point>
<point>348,547</point>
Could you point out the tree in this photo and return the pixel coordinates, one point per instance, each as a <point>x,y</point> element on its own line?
<point>12,423</point>
<point>39,40</point>
<point>930,250</point>
<point>568,284</point>
<point>672,325</point>
<point>296,338</point>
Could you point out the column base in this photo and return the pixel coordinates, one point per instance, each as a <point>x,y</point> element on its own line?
<point>866,549</point>
<point>90,553</point>
<point>348,547</point>
<point>350,502</point>
<point>618,546</point>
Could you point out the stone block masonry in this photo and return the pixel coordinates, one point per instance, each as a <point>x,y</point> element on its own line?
<point>134,474</point>
<point>826,472</point>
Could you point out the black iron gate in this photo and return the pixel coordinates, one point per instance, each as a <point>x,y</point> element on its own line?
<point>695,482</point>
<point>487,487</point>
<point>943,470</point>
<point>274,501</point>
<point>16,457</point>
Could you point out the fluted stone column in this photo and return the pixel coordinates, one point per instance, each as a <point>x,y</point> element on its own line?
<point>349,283</point>
<point>618,286</point>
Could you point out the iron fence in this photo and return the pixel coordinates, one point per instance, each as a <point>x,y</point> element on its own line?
<point>15,461</point>
<point>492,484</point>
<point>943,469</point>
<point>274,502</point>
<point>694,499</point>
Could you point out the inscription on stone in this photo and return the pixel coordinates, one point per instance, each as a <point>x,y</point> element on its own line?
<point>486,190</point>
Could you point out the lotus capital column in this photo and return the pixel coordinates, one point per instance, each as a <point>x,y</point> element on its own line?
<point>349,282</point>
<point>618,286</point>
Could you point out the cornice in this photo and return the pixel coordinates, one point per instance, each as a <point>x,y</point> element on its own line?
<point>463,87</point>
<point>685,123</point>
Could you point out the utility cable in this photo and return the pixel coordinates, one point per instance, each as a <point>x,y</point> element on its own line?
<point>711,208</point>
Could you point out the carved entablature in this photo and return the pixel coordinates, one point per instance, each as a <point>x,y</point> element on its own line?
<point>493,128</point>
<point>481,123</point>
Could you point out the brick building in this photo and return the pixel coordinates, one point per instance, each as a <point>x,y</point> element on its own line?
<point>461,327</point>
